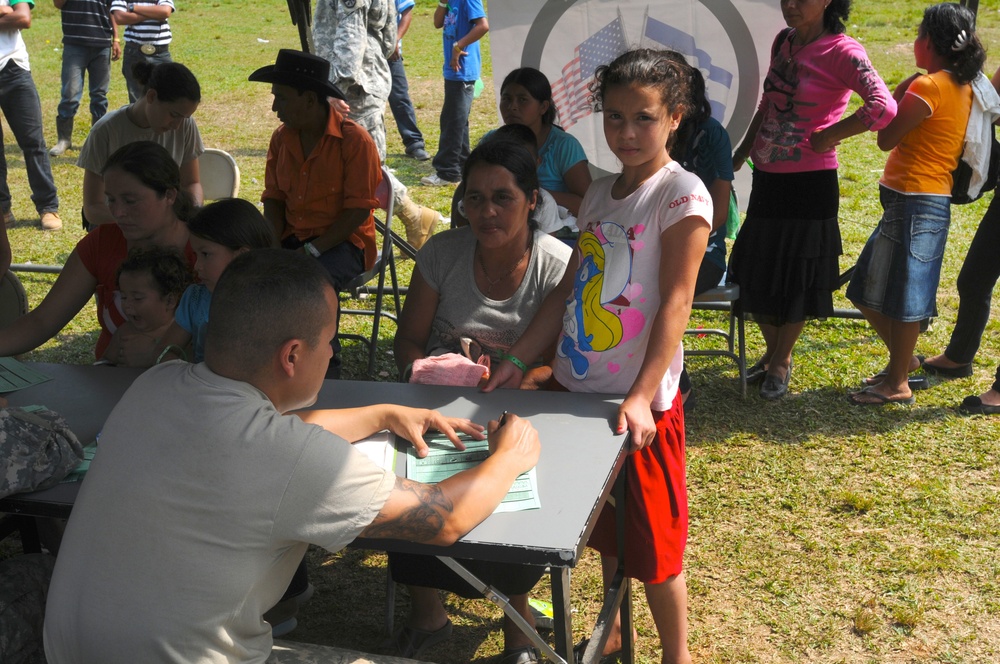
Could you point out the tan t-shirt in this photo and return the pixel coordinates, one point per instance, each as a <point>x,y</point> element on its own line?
<point>197,508</point>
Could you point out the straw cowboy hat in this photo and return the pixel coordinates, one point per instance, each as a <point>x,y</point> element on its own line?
<point>297,69</point>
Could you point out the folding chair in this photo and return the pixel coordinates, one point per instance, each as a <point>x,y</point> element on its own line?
<point>220,176</point>
<point>13,301</point>
<point>358,286</point>
<point>725,297</point>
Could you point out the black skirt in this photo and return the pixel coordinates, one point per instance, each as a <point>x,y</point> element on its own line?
<point>785,258</point>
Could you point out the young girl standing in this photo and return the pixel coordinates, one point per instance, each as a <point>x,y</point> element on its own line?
<point>895,283</point>
<point>219,232</point>
<point>643,234</point>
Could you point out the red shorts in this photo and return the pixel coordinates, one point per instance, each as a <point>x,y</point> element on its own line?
<point>656,508</point>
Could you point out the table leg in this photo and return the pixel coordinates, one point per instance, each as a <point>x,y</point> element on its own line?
<point>501,600</point>
<point>562,617</point>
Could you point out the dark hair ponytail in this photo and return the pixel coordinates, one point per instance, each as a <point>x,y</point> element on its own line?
<point>835,16</point>
<point>233,223</point>
<point>171,80</point>
<point>951,29</point>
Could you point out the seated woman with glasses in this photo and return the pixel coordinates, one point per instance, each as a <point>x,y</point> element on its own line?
<point>481,283</point>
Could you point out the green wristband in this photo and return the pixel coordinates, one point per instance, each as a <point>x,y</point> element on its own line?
<point>516,362</point>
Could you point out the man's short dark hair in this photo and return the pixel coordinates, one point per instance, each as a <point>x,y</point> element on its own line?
<point>264,298</point>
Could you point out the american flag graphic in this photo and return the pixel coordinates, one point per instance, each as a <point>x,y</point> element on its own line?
<point>570,93</point>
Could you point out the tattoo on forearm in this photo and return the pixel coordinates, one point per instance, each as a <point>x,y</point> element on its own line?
<point>421,522</point>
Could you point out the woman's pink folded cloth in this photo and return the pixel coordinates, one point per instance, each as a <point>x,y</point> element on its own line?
<point>450,369</point>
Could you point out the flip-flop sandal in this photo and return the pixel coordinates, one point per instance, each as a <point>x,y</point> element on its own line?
<point>920,381</point>
<point>975,406</point>
<point>410,642</point>
<point>879,399</point>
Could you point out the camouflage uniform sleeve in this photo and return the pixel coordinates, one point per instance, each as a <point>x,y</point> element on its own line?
<point>340,36</point>
<point>388,33</point>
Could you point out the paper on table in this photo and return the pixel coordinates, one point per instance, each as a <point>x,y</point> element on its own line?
<point>15,375</point>
<point>444,460</point>
<point>379,448</point>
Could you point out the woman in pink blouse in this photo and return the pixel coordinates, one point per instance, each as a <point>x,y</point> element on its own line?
<point>785,258</point>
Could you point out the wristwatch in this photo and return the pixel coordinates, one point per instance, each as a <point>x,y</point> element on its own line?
<point>131,7</point>
<point>313,251</point>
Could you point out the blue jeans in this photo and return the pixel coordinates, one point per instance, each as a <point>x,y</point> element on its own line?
<point>131,55</point>
<point>96,63</point>
<point>898,271</point>
<point>976,282</point>
<point>453,146</point>
<point>21,107</point>
<point>402,107</point>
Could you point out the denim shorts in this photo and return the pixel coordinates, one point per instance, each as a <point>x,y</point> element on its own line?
<point>898,271</point>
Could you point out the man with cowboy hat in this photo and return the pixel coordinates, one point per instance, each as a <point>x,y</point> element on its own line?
<point>322,172</point>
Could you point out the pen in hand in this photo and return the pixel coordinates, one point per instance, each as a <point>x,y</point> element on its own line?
<point>502,419</point>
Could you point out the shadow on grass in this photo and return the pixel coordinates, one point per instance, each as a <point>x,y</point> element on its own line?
<point>354,581</point>
<point>804,414</point>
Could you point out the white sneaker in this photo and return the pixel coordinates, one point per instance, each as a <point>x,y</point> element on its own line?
<point>436,181</point>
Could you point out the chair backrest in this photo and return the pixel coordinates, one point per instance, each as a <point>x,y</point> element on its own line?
<point>384,192</point>
<point>220,176</point>
<point>13,300</point>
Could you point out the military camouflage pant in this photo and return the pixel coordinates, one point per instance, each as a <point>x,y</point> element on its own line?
<point>369,112</point>
<point>24,582</point>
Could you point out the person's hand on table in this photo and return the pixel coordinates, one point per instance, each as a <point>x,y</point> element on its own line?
<point>634,415</point>
<point>516,437</point>
<point>413,423</point>
<point>505,375</point>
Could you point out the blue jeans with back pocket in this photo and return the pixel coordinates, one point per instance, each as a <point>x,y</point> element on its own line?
<point>898,271</point>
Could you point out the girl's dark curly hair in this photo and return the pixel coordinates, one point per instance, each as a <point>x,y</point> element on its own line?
<point>651,68</point>
<point>951,29</point>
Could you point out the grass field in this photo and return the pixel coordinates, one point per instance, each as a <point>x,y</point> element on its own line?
<point>820,531</point>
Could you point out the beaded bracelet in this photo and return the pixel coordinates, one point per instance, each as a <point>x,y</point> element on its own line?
<point>513,360</point>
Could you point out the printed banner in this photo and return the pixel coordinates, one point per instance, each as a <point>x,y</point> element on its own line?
<point>728,40</point>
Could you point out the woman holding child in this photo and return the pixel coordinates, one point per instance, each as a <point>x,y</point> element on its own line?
<point>143,188</point>
<point>785,258</point>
